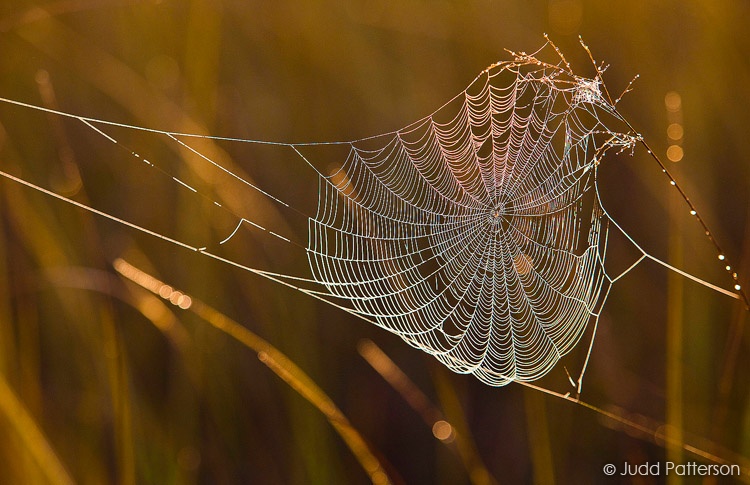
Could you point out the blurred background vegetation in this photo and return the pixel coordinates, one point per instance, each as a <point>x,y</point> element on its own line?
<point>127,388</point>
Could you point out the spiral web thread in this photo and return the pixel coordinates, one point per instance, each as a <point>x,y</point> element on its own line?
<point>476,233</point>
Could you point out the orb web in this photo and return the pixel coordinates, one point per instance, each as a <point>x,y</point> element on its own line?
<point>475,234</point>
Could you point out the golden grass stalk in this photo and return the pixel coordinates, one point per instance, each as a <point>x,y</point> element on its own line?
<point>675,313</point>
<point>274,359</point>
<point>32,436</point>
<point>539,440</point>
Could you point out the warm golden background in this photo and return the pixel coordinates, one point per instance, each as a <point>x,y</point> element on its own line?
<point>126,389</point>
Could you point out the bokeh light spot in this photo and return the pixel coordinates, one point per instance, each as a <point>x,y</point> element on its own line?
<point>675,153</point>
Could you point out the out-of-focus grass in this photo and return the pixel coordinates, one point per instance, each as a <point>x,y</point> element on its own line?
<point>271,357</point>
<point>453,431</point>
<point>34,441</point>
<point>123,400</point>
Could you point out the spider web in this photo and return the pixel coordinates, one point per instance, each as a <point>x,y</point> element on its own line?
<point>476,234</point>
